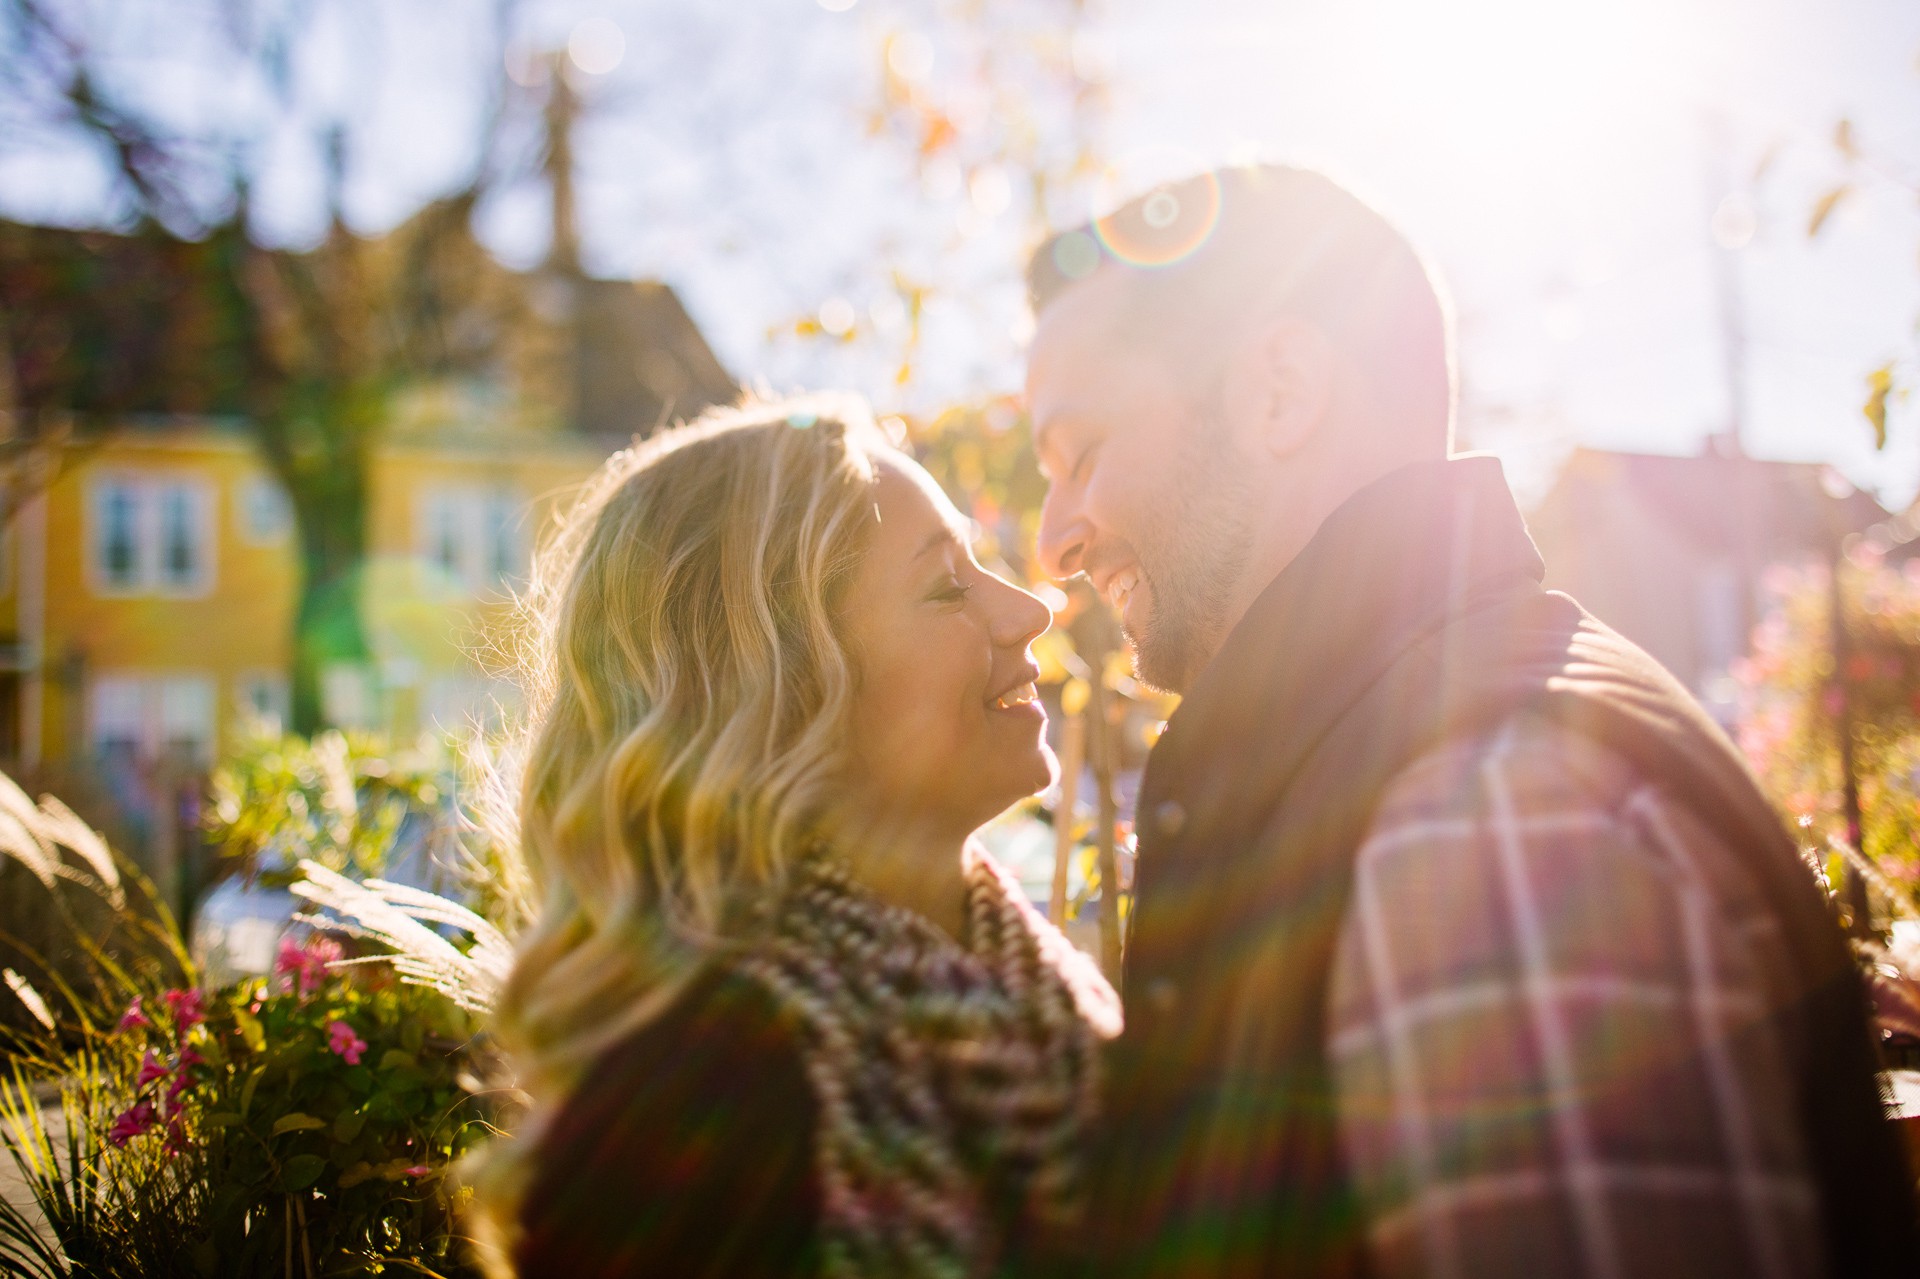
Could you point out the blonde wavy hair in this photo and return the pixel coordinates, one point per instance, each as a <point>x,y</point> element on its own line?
<point>694,695</point>
<point>690,698</point>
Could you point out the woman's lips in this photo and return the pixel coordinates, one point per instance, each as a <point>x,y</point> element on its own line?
<point>1014,698</point>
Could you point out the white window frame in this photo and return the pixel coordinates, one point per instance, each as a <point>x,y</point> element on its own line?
<point>262,511</point>
<point>264,696</point>
<point>472,520</point>
<point>148,708</point>
<point>146,491</point>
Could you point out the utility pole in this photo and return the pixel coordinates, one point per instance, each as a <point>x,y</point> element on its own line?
<point>564,278</point>
<point>1744,524</point>
<point>1745,521</point>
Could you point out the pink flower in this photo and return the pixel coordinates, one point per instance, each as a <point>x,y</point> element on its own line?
<point>189,1008</point>
<point>176,1140</point>
<point>188,1057</point>
<point>150,1070</point>
<point>135,1017</point>
<point>343,1043</point>
<point>179,1085</point>
<point>306,966</point>
<point>130,1123</point>
<point>418,1170</point>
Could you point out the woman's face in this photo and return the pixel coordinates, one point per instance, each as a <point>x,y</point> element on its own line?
<point>947,725</point>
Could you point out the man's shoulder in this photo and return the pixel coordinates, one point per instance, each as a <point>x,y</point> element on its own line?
<point>1562,810</point>
<point>1526,763</point>
<point>1534,825</point>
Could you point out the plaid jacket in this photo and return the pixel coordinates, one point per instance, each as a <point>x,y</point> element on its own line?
<point>1550,1029</point>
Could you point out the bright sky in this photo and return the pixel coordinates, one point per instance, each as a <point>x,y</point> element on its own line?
<point>1559,162</point>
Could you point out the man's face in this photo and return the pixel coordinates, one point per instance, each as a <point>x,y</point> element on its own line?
<point>1147,495</point>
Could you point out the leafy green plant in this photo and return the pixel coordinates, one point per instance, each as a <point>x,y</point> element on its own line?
<point>296,1124</point>
<point>339,799</point>
<point>342,800</point>
<point>1797,700</point>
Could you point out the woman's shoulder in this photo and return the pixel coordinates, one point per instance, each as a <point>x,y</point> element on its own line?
<point>688,1147</point>
<point>722,1016</point>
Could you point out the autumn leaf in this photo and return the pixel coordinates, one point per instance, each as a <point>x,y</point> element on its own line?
<point>936,133</point>
<point>1824,209</point>
<point>1879,386</point>
<point>1843,139</point>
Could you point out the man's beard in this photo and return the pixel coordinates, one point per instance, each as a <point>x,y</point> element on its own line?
<point>1192,566</point>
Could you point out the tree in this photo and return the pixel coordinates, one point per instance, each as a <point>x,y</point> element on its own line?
<point>309,346</point>
<point>1863,169</point>
<point>1830,702</point>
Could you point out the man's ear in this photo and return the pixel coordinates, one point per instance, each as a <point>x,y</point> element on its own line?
<point>1279,385</point>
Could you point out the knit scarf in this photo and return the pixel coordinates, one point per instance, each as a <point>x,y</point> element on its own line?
<point>956,1082</point>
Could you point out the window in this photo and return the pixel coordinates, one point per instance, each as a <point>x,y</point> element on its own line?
<point>151,535</point>
<point>472,536</point>
<point>348,697</point>
<point>264,700</point>
<point>185,716</point>
<point>119,542</point>
<point>501,528</point>
<point>116,716</point>
<point>151,717</point>
<point>266,516</point>
<point>443,533</point>
<point>180,545</point>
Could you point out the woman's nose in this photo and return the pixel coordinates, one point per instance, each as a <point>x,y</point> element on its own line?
<point>1022,617</point>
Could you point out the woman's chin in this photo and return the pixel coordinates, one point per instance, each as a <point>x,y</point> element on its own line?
<point>1036,770</point>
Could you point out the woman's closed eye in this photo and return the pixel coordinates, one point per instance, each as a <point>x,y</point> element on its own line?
<point>952,591</point>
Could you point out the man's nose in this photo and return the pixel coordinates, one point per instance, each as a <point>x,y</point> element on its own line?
<point>1064,533</point>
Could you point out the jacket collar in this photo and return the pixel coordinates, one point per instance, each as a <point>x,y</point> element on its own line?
<point>1387,568</point>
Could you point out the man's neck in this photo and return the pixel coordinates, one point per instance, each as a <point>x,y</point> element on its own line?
<point>1297,523</point>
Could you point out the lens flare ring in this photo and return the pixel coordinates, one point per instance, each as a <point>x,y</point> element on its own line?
<point>1172,225</point>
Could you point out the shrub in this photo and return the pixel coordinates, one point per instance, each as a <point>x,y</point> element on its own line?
<point>297,1124</point>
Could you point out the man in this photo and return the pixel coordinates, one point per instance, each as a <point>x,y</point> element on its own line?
<point>1464,943</point>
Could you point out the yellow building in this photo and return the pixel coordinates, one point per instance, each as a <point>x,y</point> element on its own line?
<point>150,587</point>
<point>148,568</point>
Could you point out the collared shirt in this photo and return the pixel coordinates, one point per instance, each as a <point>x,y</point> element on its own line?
<point>1550,1029</point>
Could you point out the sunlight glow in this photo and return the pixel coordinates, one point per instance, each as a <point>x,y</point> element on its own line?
<point>1510,72</point>
<point>597,45</point>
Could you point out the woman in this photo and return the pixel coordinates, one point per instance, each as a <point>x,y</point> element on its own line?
<point>780,1014</point>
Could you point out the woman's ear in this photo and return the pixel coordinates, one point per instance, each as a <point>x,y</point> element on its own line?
<point>1279,384</point>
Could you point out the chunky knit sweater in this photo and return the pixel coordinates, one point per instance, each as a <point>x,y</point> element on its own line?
<point>854,1094</point>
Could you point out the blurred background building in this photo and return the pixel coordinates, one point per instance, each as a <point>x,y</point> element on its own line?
<point>1674,552</point>
<point>149,575</point>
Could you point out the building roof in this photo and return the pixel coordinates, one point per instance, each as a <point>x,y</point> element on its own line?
<point>1717,498</point>
<point>97,323</point>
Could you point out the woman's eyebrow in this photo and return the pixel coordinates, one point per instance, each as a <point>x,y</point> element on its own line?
<point>945,535</point>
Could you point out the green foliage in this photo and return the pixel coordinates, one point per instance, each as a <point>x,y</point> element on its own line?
<point>1796,701</point>
<point>315,1120</point>
<point>338,799</point>
<point>341,799</point>
<point>298,1125</point>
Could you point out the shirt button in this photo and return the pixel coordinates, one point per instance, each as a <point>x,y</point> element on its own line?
<point>1169,817</point>
<point>1162,995</point>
